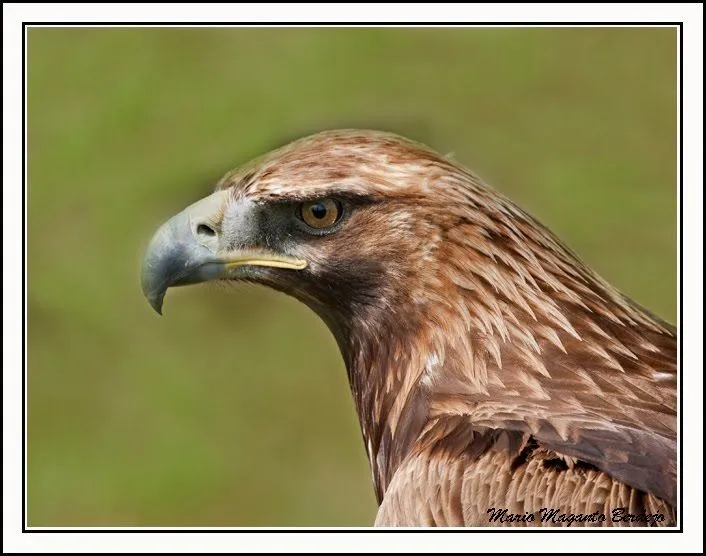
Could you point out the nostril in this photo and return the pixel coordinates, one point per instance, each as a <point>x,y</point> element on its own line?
<point>205,230</point>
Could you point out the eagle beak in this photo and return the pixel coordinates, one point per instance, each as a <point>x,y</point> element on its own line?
<point>185,250</point>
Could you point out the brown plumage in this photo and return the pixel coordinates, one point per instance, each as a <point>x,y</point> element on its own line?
<point>489,366</point>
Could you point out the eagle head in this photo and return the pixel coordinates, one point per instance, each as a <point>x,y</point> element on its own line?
<point>348,222</point>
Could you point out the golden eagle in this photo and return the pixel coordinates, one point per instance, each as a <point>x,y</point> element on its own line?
<point>494,374</point>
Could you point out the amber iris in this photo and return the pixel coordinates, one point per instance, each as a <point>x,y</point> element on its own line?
<point>320,214</point>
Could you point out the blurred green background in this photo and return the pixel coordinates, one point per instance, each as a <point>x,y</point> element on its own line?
<point>234,408</point>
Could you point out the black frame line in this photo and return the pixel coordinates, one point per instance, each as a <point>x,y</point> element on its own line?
<point>678,24</point>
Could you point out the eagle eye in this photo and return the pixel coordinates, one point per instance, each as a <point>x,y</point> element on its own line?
<point>320,214</point>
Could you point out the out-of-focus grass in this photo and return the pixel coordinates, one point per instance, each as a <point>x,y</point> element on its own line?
<point>234,409</point>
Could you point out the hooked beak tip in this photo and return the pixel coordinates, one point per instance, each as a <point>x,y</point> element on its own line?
<point>156,303</point>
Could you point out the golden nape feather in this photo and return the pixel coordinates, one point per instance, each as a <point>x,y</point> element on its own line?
<point>498,380</point>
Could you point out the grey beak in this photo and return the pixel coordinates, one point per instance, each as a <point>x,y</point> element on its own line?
<point>187,250</point>
<point>183,251</point>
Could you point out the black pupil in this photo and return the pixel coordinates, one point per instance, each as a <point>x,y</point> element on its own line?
<point>318,211</point>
